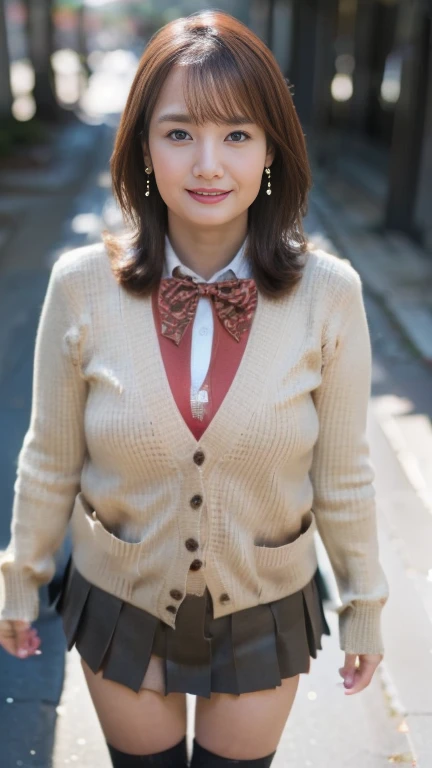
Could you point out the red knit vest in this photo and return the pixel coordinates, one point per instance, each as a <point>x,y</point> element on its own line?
<point>225,359</point>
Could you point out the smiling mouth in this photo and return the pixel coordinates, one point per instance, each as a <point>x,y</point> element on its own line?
<point>209,194</point>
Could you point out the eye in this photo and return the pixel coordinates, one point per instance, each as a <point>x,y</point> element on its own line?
<point>176,131</point>
<point>233,133</point>
<point>240,133</point>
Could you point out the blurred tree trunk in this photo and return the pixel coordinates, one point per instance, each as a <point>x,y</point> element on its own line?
<point>5,86</point>
<point>414,40</point>
<point>40,44</point>
<point>270,23</point>
<point>82,39</point>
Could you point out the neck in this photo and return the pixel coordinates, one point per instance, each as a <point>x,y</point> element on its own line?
<point>206,250</point>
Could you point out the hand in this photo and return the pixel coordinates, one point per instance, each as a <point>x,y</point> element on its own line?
<point>19,638</point>
<point>357,675</point>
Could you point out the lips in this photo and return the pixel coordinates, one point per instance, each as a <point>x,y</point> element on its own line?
<point>209,191</point>
<point>208,199</point>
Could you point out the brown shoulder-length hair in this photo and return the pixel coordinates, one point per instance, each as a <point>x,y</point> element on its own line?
<point>227,68</point>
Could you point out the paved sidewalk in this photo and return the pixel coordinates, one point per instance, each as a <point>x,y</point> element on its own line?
<point>39,217</point>
<point>394,269</point>
<point>397,274</point>
<point>59,169</point>
<point>397,280</point>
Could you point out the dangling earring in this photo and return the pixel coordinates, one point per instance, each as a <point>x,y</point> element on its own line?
<point>268,190</point>
<point>148,171</point>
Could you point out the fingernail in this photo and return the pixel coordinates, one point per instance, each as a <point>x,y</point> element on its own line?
<point>22,652</point>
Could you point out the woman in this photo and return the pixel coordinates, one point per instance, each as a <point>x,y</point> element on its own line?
<point>199,411</point>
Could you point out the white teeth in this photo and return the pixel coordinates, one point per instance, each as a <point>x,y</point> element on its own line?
<point>209,194</point>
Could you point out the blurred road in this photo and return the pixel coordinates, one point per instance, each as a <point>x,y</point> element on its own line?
<point>43,715</point>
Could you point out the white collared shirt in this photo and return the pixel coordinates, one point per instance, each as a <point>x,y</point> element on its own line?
<point>202,329</point>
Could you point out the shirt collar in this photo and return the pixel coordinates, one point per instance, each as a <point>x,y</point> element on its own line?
<point>238,267</point>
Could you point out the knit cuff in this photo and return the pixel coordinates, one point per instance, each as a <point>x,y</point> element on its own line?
<point>19,595</point>
<point>360,627</point>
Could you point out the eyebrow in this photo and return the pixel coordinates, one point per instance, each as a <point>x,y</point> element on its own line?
<point>179,117</point>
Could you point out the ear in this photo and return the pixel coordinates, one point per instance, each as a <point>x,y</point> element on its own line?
<point>146,155</point>
<point>270,157</point>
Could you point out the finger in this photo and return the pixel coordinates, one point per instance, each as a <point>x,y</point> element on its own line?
<point>14,636</point>
<point>363,676</point>
<point>22,640</point>
<point>349,664</point>
<point>30,647</point>
<point>34,644</point>
<point>8,644</point>
<point>12,646</point>
<point>349,668</point>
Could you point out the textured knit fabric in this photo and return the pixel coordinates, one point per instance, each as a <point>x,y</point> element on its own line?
<point>174,757</point>
<point>203,758</point>
<point>206,342</point>
<point>197,414</point>
<point>286,454</point>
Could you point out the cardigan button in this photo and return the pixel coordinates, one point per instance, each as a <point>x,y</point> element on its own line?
<point>195,565</point>
<point>171,608</point>
<point>199,457</point>
<point>224,598</point>
<point>191,545</point>
<point>196,501</point>
<point>176,594</point>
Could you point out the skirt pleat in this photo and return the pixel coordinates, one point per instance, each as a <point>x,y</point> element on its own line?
<point>96,628</point>
<point>292,638</point>
<point>223,679</point>
<point>131,647</point>
<point>311,596</point>
<point>249,650</point>
<point>188,652</point>
<point>256,663</point>
<point>71,603</point>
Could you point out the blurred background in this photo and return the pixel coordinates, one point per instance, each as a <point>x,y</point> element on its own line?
<point>360,72</point>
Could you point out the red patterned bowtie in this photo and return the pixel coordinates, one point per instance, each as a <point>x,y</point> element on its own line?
<point>234,301</point>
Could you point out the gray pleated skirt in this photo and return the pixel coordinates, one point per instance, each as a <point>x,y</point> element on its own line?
<point>249,650</point>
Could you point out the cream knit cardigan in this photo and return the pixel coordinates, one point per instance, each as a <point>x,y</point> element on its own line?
<point>285,455</point>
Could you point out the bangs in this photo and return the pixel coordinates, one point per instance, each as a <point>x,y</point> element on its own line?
<point>214,91</point>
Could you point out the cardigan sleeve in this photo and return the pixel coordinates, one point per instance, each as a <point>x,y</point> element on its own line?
<point>51,457</point>
<point>342,474</point>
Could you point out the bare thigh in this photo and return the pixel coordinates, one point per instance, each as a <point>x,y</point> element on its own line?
<point>136,723</point>
<point>244,727</point>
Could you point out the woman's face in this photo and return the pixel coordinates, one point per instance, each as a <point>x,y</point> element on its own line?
<point>185,156</point>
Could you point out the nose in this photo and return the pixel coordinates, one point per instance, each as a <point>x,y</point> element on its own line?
<point>207,162</point>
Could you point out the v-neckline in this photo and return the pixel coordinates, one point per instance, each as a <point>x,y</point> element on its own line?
<point>229,395</point>
<point>234,412</point>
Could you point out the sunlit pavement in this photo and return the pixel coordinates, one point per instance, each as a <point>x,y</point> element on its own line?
<point>44,211</point>
<point>391,721</point>
<point>50,223</point>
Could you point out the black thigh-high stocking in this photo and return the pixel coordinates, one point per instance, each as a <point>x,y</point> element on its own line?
<point>175,757</point>
<point>202,758</point>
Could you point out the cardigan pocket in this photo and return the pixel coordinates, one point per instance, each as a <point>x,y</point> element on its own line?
<point>90,536</point>
<point>276,566</point>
